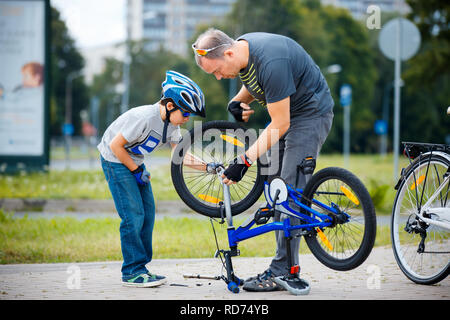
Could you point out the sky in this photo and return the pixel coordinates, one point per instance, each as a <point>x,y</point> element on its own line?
<point>93,23</point>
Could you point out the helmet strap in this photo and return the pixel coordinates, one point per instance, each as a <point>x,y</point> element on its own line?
<point>166,123</point>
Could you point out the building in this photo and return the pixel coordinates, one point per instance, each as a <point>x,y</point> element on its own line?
<point>171,23</point>
<point>95,58</point>
<point>358,8</point>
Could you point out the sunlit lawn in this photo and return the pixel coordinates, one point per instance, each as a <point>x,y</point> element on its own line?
<point>375,172</point>
<point>66,239</point>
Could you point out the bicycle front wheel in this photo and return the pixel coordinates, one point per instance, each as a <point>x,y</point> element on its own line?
<point>422,250</point>
<point>217,142</point>
<point>347,243</point>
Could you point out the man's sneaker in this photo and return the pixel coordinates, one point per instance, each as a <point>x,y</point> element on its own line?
<point>144,280</point>
<point>293,284</point>
<point>263,282</point>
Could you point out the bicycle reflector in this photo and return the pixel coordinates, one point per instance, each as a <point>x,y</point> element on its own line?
<point>324,239</point>
<point>417,182</point>
<point>232,140</point>
<point>210,199</point>
<point>350,195</point>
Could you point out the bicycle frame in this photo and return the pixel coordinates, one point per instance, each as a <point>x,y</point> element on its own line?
<point>284,196</point>
<point>244,231</point>
<point>425,207</point>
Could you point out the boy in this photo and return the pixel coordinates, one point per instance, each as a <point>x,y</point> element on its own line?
<point>132,135</point>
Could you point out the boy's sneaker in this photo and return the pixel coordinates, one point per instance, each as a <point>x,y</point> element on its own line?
<point>293,284</point>
<point>144,280</point>
<point>161,278</point>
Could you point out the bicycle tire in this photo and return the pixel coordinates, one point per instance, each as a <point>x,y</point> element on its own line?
<point>335,256</point>
<point>408,260</point>
<point>251,186</point>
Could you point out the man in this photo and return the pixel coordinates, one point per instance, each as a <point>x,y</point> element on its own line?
<point>279,74</point>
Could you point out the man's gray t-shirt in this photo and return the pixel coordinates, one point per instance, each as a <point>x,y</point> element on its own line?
<point>278,68</point>
<point>142,127</point>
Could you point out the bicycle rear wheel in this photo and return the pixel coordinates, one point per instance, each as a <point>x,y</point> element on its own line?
<point>347,243</point>
<point>430,264</point>
<point>215,142</point>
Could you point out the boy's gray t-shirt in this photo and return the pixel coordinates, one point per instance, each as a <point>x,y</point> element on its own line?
<point>278,68</point>
<point>142,127</point>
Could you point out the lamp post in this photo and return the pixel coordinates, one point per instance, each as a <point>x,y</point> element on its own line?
<point>68,126</point>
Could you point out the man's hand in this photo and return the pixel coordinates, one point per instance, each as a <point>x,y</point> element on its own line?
<point>236,170</point>
<point>247,112</point>
<point>240,110</point>
<point>142,175</point>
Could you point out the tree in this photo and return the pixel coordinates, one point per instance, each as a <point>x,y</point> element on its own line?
<point>431,17</point>
<point>427,75</point>
<point>147,72</point>
<point>65,59</point>
<point>350,48</point>
<point>331,36</point>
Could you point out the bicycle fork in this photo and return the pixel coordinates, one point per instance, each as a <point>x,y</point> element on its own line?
<point>232,281</point>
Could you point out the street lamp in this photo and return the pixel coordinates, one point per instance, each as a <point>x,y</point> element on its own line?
<point>68,126</point>
<point>334,68</point>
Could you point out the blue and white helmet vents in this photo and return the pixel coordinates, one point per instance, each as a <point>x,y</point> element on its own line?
<point>185,93</point>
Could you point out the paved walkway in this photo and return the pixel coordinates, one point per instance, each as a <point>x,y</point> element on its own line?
<point>377,279</point>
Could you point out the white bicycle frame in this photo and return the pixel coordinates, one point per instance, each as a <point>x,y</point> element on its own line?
<point>442,213</point>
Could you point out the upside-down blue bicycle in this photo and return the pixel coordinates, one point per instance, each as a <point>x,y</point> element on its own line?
<point>334,212</point>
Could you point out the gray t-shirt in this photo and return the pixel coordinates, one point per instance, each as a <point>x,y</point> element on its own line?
<point>278,68</point>
<point>142,127</point>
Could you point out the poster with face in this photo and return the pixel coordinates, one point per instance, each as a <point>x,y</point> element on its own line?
<point>22,56</point>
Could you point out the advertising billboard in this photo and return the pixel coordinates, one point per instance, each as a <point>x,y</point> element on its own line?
<point>23,84</point>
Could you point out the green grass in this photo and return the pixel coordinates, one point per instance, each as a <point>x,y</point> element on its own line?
<point>374,171</point>
<point>66,239</point>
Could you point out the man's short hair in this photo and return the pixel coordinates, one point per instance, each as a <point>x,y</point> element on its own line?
<point>213,38</point>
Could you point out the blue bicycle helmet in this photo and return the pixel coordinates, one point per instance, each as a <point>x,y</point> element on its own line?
<point>184,92</point>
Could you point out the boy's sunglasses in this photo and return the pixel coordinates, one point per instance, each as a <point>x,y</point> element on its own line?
<point>204,52</point>
<point>185,114</point>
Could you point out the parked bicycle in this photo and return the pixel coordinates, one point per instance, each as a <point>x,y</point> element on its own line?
<point>420,222</point>
<point>337,214</point>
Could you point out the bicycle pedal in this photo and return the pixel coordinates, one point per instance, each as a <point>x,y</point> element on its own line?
<point>263,215</point>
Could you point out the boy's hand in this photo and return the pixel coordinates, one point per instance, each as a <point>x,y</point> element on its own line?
<point>142,175</point>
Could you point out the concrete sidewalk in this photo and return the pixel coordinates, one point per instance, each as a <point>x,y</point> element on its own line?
<point>377,279</point>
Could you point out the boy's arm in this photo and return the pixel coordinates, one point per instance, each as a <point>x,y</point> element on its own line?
<point>192,161</point>
<point>117,147</point>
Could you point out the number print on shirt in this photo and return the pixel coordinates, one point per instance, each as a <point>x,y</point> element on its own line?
<point>149,144</point>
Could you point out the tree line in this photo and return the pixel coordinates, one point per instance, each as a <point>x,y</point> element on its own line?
<point>329,34</point>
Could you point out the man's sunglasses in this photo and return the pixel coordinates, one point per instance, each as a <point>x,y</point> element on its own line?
<point>204,52</point>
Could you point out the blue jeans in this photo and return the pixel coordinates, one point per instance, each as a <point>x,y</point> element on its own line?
<point>136,207</point>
